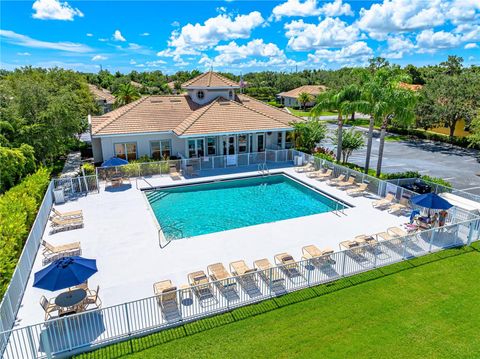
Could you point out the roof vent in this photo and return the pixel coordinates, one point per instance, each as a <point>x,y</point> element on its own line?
<point>156,101</point>
<point>223,103</point>
<point>175,100</point>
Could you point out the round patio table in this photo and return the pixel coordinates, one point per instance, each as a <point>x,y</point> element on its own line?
<point>70,298</point>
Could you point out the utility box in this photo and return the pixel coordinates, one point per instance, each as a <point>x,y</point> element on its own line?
<point>59,195</point>
<point>298,161</point>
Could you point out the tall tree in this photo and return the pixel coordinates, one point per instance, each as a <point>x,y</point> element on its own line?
<point>304,98</point>
<point>345,101</point>
<point>307,134</point>
<point>125,94</point>
<point>352,140</point>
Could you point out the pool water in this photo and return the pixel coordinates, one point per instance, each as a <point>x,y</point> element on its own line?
<point>192,210</point>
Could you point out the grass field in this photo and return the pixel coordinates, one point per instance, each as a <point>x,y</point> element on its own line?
<point>307,113</point>
<point>426,307</point>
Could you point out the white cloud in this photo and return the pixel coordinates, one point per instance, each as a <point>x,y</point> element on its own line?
<point>310,8</point>
<point>355,54</point>
<point>468,32</point>
<point>471,45</point>
<point>232,51</point>
<point>398,46</point>
<point>134,46</point>
<point>401,15</point>
<point>155,63</point>
<point>103,40</point>
<point>132,62</point>
<point>175,24</point>
<point>23,53</point>
<point>331,32</point>
<point>429,41</point>
<point>99,58</point>
<point>117,36</point>
<point>461,11</point>
<point>54,10</point>
<point>88,34</point>
<point>145,34</point>
<point>26,41</point>
<point>214,30</point>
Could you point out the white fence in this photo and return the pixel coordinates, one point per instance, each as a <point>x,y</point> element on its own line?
<point>82,332</point>
<point>77,186</point>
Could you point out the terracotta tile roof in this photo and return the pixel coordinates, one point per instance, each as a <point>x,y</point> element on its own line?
<point>210,79</point>
<point>313,90</point>
<point>101,94</point>
<point>412,87</point>
<point>180,114</point>
<point>227,116</point>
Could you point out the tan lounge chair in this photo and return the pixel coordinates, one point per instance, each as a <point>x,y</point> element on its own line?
<point>347,184</point>
<point>286,262</point>
<point>318,256</point>
<point>268,271</point>
<point>65,224</point>
<point>400,207</point>
<point>200,284</point>
<point>309,167</point>
<point>243,272</point>
<point>362,238</point>
<point>336,181</point>
<point>174,174</point>
<point>166,294</point>
<point>384,202</point>
<point>316,173</point>
<point>68,215</point>
<point>392,233</point>
<point>324,176</point>
<point>51,252</point>
<point>356,245</point>
<point>359,190</point>
<point>217,272</point>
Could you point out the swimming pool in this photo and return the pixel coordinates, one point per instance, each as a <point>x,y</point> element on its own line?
<point>192,210</point>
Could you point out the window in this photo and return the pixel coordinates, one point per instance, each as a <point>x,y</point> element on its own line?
<point>211,146</point>
<point>242,143</point>
<point>127,151</point>
<point>230,94</point>
<point>279,140</point>
<point>288,139</point>
<point>261,142</point>
<point>160,149</point>
<point>195,148</point>
<point>200,94</point>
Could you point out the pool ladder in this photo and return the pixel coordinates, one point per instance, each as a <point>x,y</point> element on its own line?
<point>263,169</point>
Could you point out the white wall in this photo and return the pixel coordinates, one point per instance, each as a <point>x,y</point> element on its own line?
<point>209,95</point>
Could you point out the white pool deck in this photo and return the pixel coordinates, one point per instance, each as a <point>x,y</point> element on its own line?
<point>120,233</point>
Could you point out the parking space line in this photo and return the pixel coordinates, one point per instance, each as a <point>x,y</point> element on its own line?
<point>468,189</point>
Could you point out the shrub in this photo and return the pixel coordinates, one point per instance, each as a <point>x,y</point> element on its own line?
<point>324,153</point>
<point>89,169</point>
<point>15,163</point>
<point>18,209</point>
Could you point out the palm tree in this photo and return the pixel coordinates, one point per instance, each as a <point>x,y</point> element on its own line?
<point>345,101</point>
<point>125,94</point>
<point>304,98</point>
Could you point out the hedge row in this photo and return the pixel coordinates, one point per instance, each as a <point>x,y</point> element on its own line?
<point>15,163</point>
<point>18,209</point>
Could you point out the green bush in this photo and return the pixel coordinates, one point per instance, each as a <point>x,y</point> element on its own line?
<point>18,209</point>
<point>432,136</point>
<point>15,163</point>
<point>89,169</point>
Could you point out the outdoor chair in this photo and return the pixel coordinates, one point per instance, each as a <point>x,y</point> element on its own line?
<point>384,202</point>
<point>286,262</point>
<point>324,176</point>
<point>355,245</point>
<point>49,307</point>
<point>309,167</point>
<point>400,207</point>
<point>93,298</point>
<point>51,252</point>
<point>359,190</point>
<point>166,294</point>
<point>174,174</point>
<point>65,224</point>
<point>217,272</point>
<point>347,184</point>
<point>362,238</point>
<point>243,272</point>
<point>200,284</point>
<point>67,215</point>
<point>392,233</point>
<point>316,173</point>
<point>317,256</point>
<point>268,271</point>
<point>336,181</point>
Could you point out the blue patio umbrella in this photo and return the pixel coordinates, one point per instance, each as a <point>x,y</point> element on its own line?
<point>114,161</point>
<point>65,272</point>
<point>432,201</point>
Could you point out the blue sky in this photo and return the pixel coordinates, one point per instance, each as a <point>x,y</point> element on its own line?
<point>236,36</point>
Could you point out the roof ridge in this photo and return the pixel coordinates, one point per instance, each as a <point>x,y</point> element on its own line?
<point>114,118</point>
<point>195,116</point>
<point>264,103</point>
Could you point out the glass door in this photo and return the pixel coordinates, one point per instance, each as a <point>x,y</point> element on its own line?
<point>231,145</point>
<point>260,142</point>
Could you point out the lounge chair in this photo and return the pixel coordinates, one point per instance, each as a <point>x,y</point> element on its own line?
<point>309,167</point>
<point>166,294</point>
<point>336,181</point>
<point>347,184</point>
<point>359,190</point>
<point>317,256</point>
<point>93,298</point>
<point>286,262</point>
<point>362,238</point>
<point>68,215</point>
<point>200,284</point>
<point>324,176</point>
<point>268,271</point>
<point>384,202</point>
<point>217,272</point>
<point>392,233</point>
<point>174,174</point>
<point>51,252</point>
<point>65,224</point>
<point>243,272</point>
<point>400,207</point>
<point>49,307</point>
<point>316,173</point>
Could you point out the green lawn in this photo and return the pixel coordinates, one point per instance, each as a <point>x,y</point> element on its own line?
<point>423,308</point>
<point>307,113</point>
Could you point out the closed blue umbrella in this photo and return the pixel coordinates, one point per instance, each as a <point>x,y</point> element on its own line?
<point>432,201</point>
<point>64,273</point>
<point>114,161</point>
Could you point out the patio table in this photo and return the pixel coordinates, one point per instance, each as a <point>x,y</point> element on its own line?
<point>70,298</point>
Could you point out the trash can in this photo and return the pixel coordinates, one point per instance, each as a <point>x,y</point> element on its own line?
<point>59,195</point>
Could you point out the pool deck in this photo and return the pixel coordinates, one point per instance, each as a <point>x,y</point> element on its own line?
<point>121,234</point>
